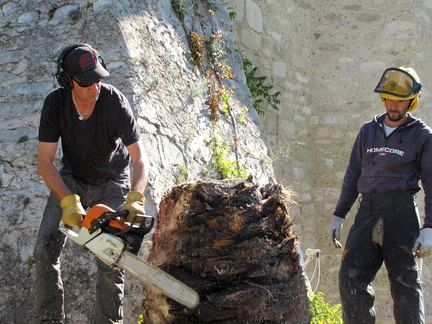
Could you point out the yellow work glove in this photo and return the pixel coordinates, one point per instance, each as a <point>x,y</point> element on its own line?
<point>134,205</point>
<point>72,210</point>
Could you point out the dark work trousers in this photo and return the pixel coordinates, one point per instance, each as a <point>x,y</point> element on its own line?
<point>50,242</point>
<point>385,229</point>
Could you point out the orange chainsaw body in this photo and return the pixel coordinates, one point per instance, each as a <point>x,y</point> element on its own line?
<point>97,211</point>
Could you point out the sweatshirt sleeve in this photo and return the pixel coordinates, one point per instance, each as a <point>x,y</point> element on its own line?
<point>349,191</point>
<point>426,179</point>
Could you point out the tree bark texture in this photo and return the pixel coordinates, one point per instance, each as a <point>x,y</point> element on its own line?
<point>232,242</point>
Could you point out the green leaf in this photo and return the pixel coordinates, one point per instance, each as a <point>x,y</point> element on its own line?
<point>23,139</point>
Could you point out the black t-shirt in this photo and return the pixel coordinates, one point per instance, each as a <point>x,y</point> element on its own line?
<point>94,150</point>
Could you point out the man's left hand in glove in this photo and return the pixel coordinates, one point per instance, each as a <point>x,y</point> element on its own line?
<point>134,205</point>
<point>335,231</point>
<point>423,244</point>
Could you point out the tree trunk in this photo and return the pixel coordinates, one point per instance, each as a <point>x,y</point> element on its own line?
<point>232,242</point>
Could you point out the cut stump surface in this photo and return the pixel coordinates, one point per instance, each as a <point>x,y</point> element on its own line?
<point>232,242</point>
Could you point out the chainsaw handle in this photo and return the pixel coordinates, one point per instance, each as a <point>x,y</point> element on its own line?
<point>108,219</point>
<point>81,237</point>
<point>104,218</point>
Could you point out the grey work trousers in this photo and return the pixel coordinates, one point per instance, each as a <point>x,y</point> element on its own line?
<point>385,229</point>
<point>48,247</point>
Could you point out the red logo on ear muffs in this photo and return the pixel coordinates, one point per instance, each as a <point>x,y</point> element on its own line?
<point>87,61</point>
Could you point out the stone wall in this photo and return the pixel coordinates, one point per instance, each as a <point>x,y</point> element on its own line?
<point>326,58</point>
<point>146,49</point>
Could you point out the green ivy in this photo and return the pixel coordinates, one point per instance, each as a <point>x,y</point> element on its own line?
<point>212,5</point>
<point>215,50</point>
<point>322,312</point>
<point>226,168</point>
<point>182,8</point>
<point>183,174</point>
<point>262,93</point>
<point>23,139</point>
<point>224,98</point>
<point>52,11</point>
<point>242,115</point>
<point>30,263</point>
<point>232,14</point>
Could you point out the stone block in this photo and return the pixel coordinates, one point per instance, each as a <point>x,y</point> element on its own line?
<point>254,16</point>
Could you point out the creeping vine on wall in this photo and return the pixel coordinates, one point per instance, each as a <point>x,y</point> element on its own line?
<point>196,44</point>
<point>209,55</point>
<point>262,92</point>
<point>225,167</point>
<point>182,7</point>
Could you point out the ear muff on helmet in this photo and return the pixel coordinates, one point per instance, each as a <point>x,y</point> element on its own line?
<point>412,106</point>
<point>63,78</point>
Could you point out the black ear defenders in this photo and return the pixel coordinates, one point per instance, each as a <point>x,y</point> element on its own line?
<point>63,79</point>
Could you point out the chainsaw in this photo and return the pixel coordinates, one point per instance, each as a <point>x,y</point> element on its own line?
<point>116,242</point>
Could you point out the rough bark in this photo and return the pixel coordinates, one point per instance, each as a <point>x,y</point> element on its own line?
<point>232,242</point>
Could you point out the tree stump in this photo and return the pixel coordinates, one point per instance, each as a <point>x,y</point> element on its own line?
<point>232,242</point>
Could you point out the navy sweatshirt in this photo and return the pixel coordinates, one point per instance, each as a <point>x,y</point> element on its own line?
<point>389,164</point>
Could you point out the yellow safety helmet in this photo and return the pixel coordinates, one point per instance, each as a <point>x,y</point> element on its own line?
<point>400,83</point>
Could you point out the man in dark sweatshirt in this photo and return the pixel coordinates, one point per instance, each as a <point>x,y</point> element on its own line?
<point>390,155</point>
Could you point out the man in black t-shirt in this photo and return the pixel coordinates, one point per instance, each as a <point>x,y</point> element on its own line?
<point>100,138</point>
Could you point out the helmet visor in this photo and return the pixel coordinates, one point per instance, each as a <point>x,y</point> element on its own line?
<point>398,83</point>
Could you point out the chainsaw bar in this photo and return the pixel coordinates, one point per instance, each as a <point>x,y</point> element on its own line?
<point>111,250</point>
<point>159,279</point>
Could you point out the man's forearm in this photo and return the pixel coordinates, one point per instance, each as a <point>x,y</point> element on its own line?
<point>139,176</point>
<point>53,180</point>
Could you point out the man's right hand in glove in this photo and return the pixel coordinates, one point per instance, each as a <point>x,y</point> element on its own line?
<point>73,211</point>
<point>423,244</point>
<point>335,231</point>
<point>134,205</point>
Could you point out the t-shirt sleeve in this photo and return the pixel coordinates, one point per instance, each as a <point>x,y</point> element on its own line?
<point>49,130</point>
<point>128,129</point>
